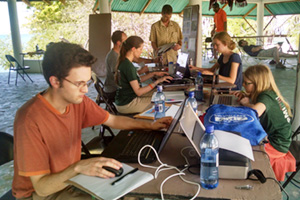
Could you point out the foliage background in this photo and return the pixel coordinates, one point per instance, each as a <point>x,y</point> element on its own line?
<point>50,23</point>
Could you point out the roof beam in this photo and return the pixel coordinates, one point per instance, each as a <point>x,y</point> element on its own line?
<point>47,2</point>
<point>63,2</point>
<point>27,2</point>
<point>269,10</point>
<point>145,7</point>
<point>250,11</point>
<point>271,14</point>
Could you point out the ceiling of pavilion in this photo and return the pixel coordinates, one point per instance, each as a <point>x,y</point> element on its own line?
<point>284,7</point>
<point>287,7</point>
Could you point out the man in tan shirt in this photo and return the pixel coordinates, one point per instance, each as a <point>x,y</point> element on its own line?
<point>166,31</point>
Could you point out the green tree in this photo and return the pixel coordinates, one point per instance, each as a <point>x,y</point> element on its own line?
<point>5,49</point>
<point>50,23</point>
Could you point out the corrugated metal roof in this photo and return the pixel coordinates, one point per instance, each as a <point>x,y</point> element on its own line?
<point>154,6</point>
<point>282,8</point>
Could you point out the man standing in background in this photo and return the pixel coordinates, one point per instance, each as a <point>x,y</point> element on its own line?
<point>220,19</point>
<point>166,31</point>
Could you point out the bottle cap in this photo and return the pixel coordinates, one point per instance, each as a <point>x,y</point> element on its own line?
<point>171,63</point>
<point>191,94</point>
<point>209,128</point>
<point>199,73</point>
<point>159,88</point>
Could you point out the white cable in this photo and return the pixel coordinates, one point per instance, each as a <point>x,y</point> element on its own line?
<point>163,167</point>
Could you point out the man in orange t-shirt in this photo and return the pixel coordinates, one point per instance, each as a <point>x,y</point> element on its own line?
<point>47,129</point>
<point>220,19</point>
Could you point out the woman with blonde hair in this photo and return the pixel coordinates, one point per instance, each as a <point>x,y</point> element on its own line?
<point>274,112</point>
<point>131,97</point>
<point>229,63</point>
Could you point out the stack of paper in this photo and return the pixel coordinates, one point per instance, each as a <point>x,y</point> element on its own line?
<point>102,189</point>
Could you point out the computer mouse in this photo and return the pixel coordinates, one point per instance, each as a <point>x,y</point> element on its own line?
<point>115,171</point>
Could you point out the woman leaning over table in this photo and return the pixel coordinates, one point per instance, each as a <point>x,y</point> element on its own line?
<point>131,97</point>
<point>229,64</point>
<point>274,113</point>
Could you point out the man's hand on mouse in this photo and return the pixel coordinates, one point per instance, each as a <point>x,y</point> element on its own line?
<point>94,167</point>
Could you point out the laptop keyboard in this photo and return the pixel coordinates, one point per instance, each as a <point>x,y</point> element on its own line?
<point>226,100</point>
<point>175,76</point>
<point>137,141</point>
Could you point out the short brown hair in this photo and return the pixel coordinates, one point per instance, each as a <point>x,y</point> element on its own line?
<point>61,57</point>
<point>117,36</point>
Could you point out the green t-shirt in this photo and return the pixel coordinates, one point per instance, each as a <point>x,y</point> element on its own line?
<point>128,73</point>
<point>276,121</point>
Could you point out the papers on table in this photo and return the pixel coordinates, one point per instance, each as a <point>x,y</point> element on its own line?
<point>171,110</point>
<point>172,96</point>
<point>102,188</point>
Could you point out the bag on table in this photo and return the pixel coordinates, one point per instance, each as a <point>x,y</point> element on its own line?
<point>238,119</point>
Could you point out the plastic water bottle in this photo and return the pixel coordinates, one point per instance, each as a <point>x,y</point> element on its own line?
<point>191,100</point>
<point>209,171</point>
<point>199,87</point>
<point>171,68</point>
<point>159,101</point>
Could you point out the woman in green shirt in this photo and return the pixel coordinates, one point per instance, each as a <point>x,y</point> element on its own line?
<point>131,97</point>
<point>274,112</point>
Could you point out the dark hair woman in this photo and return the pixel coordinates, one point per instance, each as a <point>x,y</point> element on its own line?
<point>131,97</point>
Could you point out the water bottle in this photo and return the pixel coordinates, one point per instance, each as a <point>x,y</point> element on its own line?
<point>171,68</point>
<point>191,61</point>
<point>209,170</point>
<point>191,100</point>
<point>199,87</point>
<point>159,101</point>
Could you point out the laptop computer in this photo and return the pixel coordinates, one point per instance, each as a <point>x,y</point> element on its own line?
<point>226,99</point>
<point>127,144</point>
<point>220,98</point>
<point>182,72</point>
<point>164,48</point>
<point>232,165</point>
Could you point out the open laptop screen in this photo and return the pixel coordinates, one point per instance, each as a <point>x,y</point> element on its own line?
<point>182,68</point>
<point>172,126</point>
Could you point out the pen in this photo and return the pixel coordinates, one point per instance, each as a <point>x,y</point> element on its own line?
<point>130,172</point>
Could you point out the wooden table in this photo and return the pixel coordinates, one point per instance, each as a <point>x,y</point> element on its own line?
<point>175,188</point>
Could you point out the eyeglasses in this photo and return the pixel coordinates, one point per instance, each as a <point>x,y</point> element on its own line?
<point>247,83</point>
<point>80,84</point>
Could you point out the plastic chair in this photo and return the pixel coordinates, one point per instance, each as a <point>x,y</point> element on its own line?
<point>6,155</point>
<point>103,97</point>
<point>15,66</point>
<point>295,150</point>
<point>6,148</point>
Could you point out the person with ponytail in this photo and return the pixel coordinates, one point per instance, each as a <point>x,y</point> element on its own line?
<point>275,115</point>
<point>131,97</point>
<point>229,64</point>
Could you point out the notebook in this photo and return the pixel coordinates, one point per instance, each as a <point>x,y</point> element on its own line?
<point>127,144</point>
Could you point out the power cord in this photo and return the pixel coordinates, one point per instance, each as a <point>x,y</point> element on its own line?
<point>163,167</point>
